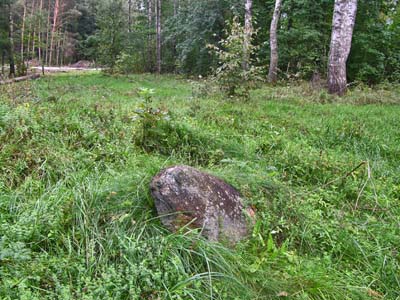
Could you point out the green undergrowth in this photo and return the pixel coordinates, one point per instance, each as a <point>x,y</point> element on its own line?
<point>77,220</point>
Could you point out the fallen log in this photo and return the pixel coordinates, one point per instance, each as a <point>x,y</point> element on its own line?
<point>19,79</point>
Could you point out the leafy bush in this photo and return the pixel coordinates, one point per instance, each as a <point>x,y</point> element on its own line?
<point>149,117</point>
<point>20,66</point>
<point>232,78</point>
<point>123,64</point>
<point>127,63</point>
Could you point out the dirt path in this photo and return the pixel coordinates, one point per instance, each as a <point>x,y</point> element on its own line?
<point>64,69</point>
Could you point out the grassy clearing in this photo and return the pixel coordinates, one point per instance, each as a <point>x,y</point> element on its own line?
<point>77,220</point>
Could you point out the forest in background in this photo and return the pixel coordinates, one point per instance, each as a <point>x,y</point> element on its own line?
<point>171,36</point>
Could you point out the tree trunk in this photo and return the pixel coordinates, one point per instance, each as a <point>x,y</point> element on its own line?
<point>3,61</point>
<point>344,16</point>
<point>273,65</point>
<point>34,31</point>
<point>20,79</point>
<point>248,30</point>
<point>48,33</point>
<point>129,16</point>
<point>149,36</point>
<point>54,29</point>
<point>11,39</point>
<point>40,32</point>
<point>28,50</point>
<point>57,48</point>
<point>64,42</point>
<point>176,6</point>
<point>60,34</point>
<point>158,27</point>
<point>23,31</point>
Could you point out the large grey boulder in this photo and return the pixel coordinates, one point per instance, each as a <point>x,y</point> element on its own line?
<point>185,196</point>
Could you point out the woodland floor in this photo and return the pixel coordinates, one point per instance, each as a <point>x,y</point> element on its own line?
<point>77,220</point>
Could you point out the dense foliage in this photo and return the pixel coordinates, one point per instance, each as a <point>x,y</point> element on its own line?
<point>4,41</point>
<point>233,79</point>
<point>122,35</point>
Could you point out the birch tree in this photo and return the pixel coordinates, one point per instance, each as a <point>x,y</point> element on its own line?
<point>158,34</point>
<point>344,16</point>
<point>149,34</point>
<point>273,66</point>
<point>176,7</point>
<point>248,30</point>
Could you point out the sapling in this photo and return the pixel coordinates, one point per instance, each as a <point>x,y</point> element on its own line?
<point>148,115</point>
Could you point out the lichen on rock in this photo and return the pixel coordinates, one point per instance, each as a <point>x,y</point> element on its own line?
<point>186,196</point>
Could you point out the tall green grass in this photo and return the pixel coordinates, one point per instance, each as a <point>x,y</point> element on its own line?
<point>77,220</point>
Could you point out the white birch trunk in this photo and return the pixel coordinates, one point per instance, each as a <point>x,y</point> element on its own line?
<point>158,25</point>
<point>149,36</point>
<point>176,6</point>
<point>273,65</point>
<point>248,29</point>
<point>344,17</point>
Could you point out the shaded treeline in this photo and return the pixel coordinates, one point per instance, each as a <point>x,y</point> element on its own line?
<point>294,37</point>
